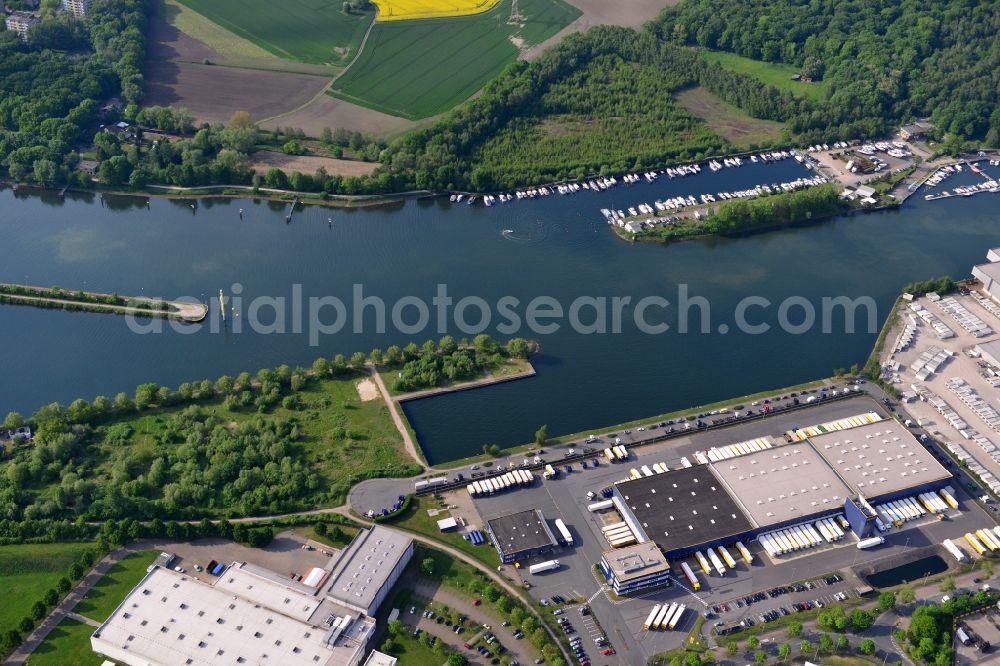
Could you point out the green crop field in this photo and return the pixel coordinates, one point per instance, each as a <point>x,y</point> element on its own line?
<point>778,75</point>
<point>104,597</point>
<point>29,571</point>
<point>66,645</point>
<point>416,69</point>
<point>313,31</point>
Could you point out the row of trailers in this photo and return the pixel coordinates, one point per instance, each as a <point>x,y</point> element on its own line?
<point>664,616</point>
<point>984,541</point>
<point>616,453</point>
<point>618,535</point>
<point>655,468</point>
<point>718,558</point>
<point>733,450</point>
<point>806,535</point>
<point>513,479</point>
<point>899,511</point>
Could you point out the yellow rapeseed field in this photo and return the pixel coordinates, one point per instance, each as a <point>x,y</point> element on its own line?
<point>401,10</point>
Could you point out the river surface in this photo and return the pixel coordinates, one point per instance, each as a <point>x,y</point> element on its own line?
<point>558,247</point>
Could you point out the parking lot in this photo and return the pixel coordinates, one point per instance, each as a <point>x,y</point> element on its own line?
<point>985,626</point>
<point>959,364</point>
<point>284,554</point>
<point>566,497</point>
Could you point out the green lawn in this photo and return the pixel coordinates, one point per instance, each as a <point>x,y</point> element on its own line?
<point>415,518</point>
<point>410,650</point>
<point>105,596</point>
<point>416,69</point>
<point>313,31</point>
<point>29,571</point>
<point>66,645</point>
<point>778,75</point>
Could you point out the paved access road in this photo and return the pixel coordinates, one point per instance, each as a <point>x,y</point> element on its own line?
<point>65,608</point>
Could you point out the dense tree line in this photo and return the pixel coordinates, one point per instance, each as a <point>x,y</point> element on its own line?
<point>743,215</point>
<point>448,361</point>
<point>941,286</point>
<point>886,60</point>
<point>52,84</point>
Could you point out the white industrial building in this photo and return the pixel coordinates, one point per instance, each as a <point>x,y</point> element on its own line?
<point>377,658</point>
<point>989,274</point>
<point>365,571</point>
<point>252,615</point>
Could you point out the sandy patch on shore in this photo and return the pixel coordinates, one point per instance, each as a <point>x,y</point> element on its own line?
<point>367,390</point>
<point>265,159</point>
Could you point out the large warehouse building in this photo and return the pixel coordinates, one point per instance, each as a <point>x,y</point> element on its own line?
<point>989,274</point>
<point>520,535</point>
<point>839,469</point>
<point>252,615</point>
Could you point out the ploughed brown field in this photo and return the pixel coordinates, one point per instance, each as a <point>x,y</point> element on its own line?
<point>213,94</point>
<point>265,159</point>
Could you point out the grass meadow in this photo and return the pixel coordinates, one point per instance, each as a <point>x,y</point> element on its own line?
<point>105,596</point>
<point>312,31</point>
<point>778,75</point>
<point>66,645</point>
<point>416,69</point>
<point>726,120</point>
<point>29,571</point>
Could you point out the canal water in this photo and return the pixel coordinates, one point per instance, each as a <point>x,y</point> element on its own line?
<point>557,247</point>
<point>907,573</point>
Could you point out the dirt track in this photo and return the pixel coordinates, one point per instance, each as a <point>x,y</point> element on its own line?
<point>265,159</point>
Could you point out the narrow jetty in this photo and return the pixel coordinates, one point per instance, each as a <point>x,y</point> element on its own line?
<point>89,301</point>
<point>62,192</point>
<point>295,202</point>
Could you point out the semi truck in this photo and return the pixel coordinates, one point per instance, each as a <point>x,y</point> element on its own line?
<point>550,472</point>
<point>871,542</point>
<point>600,506</point>
<point>702,562</point>
<point>955,551</point>
<point>719,568</point>
<point>689,574</point>
<point>566,536</point>
<point>651,617</point>
<point>550,565</point>
<point>672,622</point>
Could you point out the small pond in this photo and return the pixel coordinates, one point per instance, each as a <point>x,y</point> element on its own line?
<point>905,573</point>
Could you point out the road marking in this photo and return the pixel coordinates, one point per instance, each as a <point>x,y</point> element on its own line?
<point>688,590</point>
<point>595,594</point>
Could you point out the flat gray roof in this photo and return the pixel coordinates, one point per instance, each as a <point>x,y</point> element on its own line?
<point>990,349</point>
<point>638,561</point>
<point>991,269</point>
<point>879,458</point>
<point>783,483</point>
<point>173,619</point>
<point>518,532</point>
<point>359,571</point>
